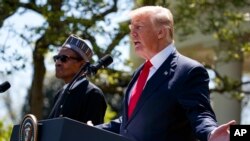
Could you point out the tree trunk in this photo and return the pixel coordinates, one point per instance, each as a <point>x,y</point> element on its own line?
<point>225,107</point>
<point>36,93</point>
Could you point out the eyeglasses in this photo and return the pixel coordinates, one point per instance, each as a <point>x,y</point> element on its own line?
<point>64,58</point>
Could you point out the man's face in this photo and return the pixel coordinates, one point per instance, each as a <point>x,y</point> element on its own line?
<point>144,36</point>
<point>67,64</point>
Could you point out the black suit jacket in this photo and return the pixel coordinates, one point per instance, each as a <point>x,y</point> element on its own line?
<point>174,105</point>
<point>85,102</point>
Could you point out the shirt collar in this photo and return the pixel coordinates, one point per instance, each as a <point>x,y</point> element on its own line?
<point>75,84</point>
<point>161,56</point>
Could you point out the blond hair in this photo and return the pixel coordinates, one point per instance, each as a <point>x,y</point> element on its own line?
<point>160,15</point>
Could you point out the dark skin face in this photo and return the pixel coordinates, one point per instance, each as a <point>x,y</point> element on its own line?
<point>68,69</point>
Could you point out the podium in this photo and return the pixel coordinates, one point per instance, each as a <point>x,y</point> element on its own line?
<point>66,129</point>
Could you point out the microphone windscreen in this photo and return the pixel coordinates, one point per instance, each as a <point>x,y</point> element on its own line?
<point>4,86</point>
<point>106,60</point>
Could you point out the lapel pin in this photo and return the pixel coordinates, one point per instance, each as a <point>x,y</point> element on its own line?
<point>166,73</point>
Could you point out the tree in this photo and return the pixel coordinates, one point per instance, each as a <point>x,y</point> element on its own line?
<point>88,19</point>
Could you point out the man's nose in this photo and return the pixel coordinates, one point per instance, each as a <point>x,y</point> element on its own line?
<point>133,33</point>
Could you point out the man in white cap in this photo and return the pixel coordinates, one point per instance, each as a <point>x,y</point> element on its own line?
<point>84,101</point>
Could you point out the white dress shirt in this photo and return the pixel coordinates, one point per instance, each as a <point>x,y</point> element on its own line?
<point>156,62</point>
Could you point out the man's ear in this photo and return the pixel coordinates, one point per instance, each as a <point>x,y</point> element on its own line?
<point>82,63</point>
<point>162,33</point>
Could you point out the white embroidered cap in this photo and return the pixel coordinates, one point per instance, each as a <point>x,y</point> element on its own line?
<point>79,46</point>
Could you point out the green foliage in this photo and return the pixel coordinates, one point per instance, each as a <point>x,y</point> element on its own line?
<point>227,20</point>
<point>231,86</point>
<point>113,83</point>
<point>5,131</point>
<point>51,87</point>
<point>110,114</point>
<point>151,2</point>
<point>246,47</point>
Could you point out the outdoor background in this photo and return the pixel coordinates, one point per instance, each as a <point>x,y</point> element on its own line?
<point>216,33</point>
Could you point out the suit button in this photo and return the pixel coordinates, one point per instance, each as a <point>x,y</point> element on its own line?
<point>61,106</point>
<point>61,115</point>
<point>125,131</point>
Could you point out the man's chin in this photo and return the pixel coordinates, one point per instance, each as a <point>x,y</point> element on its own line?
<point>58,76</point>
<point>139,54</point>
<point>138,50</point>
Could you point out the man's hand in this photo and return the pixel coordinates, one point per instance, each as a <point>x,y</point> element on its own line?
<point>221,133</point>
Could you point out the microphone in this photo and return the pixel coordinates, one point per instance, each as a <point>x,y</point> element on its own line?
<point>4,86</point>
<point>103,62</point>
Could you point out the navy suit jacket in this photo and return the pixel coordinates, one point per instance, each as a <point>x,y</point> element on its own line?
<point>174,105</point>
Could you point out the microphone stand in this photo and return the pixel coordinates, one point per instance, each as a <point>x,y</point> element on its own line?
<point>83,68</point>
<point>61,99</point>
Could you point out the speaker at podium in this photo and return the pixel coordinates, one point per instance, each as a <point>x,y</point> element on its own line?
<point>61,129</point>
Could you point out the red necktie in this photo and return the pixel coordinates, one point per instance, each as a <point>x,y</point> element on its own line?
<point>135,94</point>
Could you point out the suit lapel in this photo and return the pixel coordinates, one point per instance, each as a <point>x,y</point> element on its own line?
<point>162,75</point>
<point>130,85</point>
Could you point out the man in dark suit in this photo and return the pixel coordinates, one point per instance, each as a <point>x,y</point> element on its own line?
<point>83,101</point>
<point>172,103</point>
